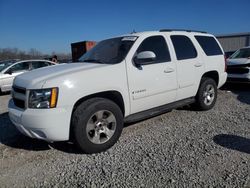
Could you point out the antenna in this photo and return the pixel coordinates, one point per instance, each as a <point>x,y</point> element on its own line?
<point>133,31</point>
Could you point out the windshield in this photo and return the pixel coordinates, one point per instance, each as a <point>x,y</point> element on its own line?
<point>5,64</point>
<point>241,53</point>
<point>110,51</point>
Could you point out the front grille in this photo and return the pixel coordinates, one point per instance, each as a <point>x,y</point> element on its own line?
<point>19,90</point>
<point>237,70</point>
<point>19,96</point>
<point>19,103</point>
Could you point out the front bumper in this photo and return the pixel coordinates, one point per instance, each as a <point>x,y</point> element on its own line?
<point>46,124</point>
<point>243,78</point>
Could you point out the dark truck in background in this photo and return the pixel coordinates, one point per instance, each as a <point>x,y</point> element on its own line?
<point>80,48</point>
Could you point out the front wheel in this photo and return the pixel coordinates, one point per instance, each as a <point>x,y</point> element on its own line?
<point>97,125</point>
<point>207,94</point>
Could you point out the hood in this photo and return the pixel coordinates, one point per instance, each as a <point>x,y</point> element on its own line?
<point>238,62</point>
<point>39,76</point>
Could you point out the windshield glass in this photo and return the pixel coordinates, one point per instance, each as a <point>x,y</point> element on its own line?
<point>241,53</point>
<point>110,51</point>
<point>5,64</point>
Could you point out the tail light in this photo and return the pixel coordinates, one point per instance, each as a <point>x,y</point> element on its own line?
<point>225,58</point>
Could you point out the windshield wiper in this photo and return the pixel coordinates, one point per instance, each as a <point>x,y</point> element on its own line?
<point>93,60</point>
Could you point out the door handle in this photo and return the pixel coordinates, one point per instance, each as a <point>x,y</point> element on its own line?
<point>168,70</point>
<point>198,64</point>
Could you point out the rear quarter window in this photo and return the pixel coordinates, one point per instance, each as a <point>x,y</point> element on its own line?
<point>209,45</point>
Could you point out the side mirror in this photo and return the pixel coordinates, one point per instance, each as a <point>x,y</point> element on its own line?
<point>9,71</point>
<point>144,58</point>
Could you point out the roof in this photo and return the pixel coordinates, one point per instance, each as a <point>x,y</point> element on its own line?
<point>246,47</point>
<point>179,31</point>
<point>234,35</point>
<point>29,60</point>
<point>185,30</point>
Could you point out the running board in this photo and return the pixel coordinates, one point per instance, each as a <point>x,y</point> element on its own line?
<point>158,110</point>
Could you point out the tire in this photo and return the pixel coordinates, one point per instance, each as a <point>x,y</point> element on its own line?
<point>206,95</point>
<point>97,125</point>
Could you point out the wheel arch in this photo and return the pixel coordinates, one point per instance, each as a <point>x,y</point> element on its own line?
<point>112,95</point>
<point>211,74</point>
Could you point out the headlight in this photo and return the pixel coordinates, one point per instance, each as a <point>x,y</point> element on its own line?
<point>43,98</point>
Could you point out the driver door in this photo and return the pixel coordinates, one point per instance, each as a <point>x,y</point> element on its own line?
<point>154,84</point>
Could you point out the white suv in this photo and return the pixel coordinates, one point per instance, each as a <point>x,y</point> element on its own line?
<point>122,79</point>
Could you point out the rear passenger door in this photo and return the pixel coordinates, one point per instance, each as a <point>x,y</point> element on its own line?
<point>189,65</point>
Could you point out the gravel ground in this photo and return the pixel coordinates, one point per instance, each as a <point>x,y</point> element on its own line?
<point>182,148</point>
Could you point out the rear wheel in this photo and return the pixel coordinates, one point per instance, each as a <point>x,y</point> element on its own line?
<point>97,125</point>
<point>207,94</point>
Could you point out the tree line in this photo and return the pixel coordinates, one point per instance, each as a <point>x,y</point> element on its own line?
<point>15,53</point>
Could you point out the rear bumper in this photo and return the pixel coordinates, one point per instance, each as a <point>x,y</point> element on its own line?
<point>222,79</point>
<point>46,124</point>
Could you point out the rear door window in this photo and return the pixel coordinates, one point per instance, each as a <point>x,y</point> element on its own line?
<point>184,47</point>
<point>209,45</point>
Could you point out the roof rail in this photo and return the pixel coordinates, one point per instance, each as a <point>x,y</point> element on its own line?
<point>187,30</point>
